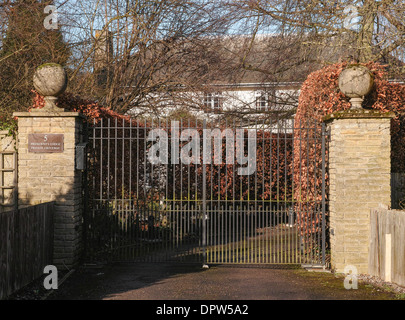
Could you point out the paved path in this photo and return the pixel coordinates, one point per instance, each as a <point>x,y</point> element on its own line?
<point>191,282</point>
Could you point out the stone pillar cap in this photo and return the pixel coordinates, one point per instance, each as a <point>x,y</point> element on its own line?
<point>358,114</point>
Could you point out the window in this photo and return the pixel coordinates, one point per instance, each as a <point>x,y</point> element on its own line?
<point>264,100</point>
<point>212,102</point>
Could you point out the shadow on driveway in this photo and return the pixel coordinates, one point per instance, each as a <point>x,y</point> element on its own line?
<point>162,281</point>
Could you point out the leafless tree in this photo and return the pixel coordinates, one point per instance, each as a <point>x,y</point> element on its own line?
<point>25,44</point>
<point>133,53</point>
<point>362,30</point>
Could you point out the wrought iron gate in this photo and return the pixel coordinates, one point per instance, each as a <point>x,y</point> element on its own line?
<point>191,192</point>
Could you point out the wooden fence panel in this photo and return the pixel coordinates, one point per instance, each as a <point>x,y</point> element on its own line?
<point>387,222</point>
<point>26,246</point>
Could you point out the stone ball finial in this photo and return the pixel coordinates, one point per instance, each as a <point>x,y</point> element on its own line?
<point>50,80</point>
<point>356,82</point>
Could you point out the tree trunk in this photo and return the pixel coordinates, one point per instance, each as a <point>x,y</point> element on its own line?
<point>365,39</point>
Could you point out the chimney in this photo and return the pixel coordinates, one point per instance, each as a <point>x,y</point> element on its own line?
<point>103,54</point>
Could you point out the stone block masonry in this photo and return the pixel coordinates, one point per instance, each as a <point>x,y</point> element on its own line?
<point>47,177</point>
<point>359,174</point>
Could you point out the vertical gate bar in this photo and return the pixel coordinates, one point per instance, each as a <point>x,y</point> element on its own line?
<point>196,168</point>
<point>186,214</point>
<point>257,244</point>
<point>212,233</point>
<point>289,196</point>
<point>263,224</point>
<point>211,244</point>
<point>232,213</point>
<point>92,195</point>
<point>101,161</point>
<point>248,199</point>
<point>137,164</point>
<point>171,196</point>
<point>314,223</point>
<point>161,199</point>
<point>239,233</point>
<point>145,182</point>
<point>310,203</point>
<point>245,233</point>
<point>217,233</point>
<point>218,248</point>
<point>228,233</point>
<point>176,232</point>
<point>271,216</point>
<point>116,207</point>
<point>173,200</point>
<point>134,243</point>
<point>118,204</point>
<point>181,168</point>
<point>235,231</point>
<point>308,232</point>
<point>323,192</point>
<point>204,202</point>
<point>180,213</point>
<point>214,244</point>
<point>220,234</point>
<point>109,206</point>
<point>239,236</point>
<point>123,218</point>
<point>236,213</point>
<point>136,204</point>
<point>284,233</point>
<point>249,227</point>
<point>117,252</point>
<point>225,230</point>
<point>85,190</point>
<point>107,203</point>
<point>211,198</point>
<point>300,192</point>
<point>151,244</point>
<point>266,235</point>
<point>166,202</point>
<point>155,204</point>
<point>196,186</point>
<point>288,185</point>
<point>115,159</point>
<point>221,240</point>
<point>96,176</point>
<point>177,229</point>
<point>130,212</point>
<point>293,215</point>
<point>267,204</point>
<point>226,241</point>
<point>278,189</point>
<point>228,209</point>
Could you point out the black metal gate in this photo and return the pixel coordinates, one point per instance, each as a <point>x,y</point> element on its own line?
<point>196,192</point>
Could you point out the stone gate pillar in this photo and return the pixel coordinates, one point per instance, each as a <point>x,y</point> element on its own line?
<point>47,140</point>
<point>359,176</point>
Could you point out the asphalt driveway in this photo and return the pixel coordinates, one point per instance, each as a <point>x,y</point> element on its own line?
<point>136,281</point>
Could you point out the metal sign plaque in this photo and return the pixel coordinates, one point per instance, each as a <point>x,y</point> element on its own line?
<point>45,142</point>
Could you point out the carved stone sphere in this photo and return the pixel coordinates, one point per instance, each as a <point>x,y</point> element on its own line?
<point>50,79</point>
<point>356,81</point>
